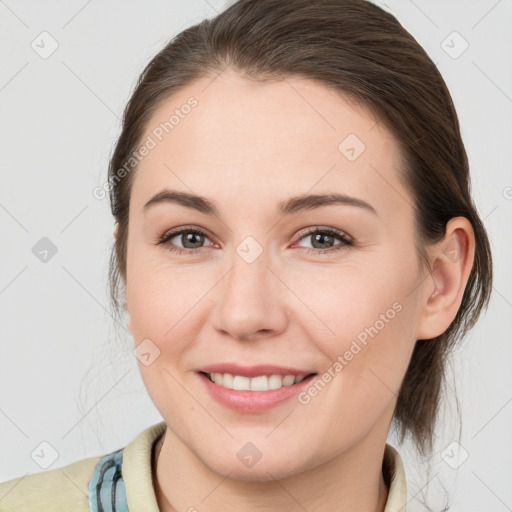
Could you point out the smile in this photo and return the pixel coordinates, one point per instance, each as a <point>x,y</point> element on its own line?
<point>256,394</point>
<point>258,383</point>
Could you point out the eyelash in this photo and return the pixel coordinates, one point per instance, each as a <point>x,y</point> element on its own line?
<point>346,241</point>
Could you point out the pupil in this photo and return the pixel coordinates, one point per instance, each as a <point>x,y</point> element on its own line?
<point>190,238</point>
<point>319,236</point>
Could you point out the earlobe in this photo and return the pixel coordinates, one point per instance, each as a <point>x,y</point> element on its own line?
<point>451,263</point>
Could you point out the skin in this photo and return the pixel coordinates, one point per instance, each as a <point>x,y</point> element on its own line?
<point>246,147</point>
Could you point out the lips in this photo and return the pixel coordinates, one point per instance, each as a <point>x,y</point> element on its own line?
<point>253,389</point>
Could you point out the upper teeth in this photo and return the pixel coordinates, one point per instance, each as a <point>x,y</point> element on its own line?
<point>260,383</point>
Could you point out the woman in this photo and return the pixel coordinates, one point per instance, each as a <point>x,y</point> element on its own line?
<point>297,252</point>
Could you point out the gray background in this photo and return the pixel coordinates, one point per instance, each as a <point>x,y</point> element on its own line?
<point>68,376</point>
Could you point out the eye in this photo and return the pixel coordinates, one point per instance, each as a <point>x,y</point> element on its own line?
<point>323,240</point>
<point>191,238</point>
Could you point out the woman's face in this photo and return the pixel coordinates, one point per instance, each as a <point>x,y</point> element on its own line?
<point>260,287</point>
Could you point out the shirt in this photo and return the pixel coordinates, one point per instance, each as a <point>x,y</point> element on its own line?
<point>121,481</point>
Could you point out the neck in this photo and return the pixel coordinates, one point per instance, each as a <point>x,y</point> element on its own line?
<point>182,482</point>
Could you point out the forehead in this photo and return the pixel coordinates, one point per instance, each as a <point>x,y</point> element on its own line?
<point>232,136</point>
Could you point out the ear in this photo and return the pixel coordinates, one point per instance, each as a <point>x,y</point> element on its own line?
<point>451,263</point>
<point>116,229</point>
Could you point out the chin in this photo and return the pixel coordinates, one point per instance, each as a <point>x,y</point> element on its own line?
<point>262,473</point>
<point>240,467</point>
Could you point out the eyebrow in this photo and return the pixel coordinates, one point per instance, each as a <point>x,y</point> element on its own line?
<point>288,207</point>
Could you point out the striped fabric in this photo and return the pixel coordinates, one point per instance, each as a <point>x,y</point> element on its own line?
<point>107,492</point>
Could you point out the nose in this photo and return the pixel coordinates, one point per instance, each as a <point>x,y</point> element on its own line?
<point>250,302</point>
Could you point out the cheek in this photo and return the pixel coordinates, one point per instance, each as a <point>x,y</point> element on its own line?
<point>357,391</point>
<point>160,297</point>
<point>362,318</point>
<point>343,302</point>
<point>163,305</point>
<point>167,307</point>
<point>164,312</point>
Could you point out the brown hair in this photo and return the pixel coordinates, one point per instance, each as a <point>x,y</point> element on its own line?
<point>359,49</point>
